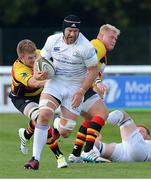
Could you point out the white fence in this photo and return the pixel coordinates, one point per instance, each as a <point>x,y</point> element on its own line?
<point>5,81</point>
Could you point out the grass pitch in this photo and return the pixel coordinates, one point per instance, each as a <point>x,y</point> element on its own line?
<point>12,161</point>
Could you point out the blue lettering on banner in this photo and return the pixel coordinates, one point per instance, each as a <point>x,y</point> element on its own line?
<point>128,91</point>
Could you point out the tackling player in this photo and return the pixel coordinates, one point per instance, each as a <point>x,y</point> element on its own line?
<point>25,94</point>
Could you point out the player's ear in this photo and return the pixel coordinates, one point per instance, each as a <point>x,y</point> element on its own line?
<point>21,56</point>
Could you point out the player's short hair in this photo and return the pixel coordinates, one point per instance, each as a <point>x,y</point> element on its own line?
<point>26,46</point>
<point>142,125</point>
<point>107,27</point>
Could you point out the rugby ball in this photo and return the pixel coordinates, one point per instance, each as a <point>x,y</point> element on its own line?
<point>46,65</point>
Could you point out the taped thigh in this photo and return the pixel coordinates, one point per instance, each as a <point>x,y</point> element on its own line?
<point>32,110</point>
<point>69,125</point>
<point>45,103</point>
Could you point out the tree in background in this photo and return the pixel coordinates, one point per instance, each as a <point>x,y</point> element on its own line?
<point>46,13</point>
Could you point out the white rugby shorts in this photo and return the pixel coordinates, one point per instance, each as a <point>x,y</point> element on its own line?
<point>86,105</point>
<point>64,91</point>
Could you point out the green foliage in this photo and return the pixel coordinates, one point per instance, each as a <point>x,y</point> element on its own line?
<point>93,13</point>
<point>12,160</point>
<point>13,11</point>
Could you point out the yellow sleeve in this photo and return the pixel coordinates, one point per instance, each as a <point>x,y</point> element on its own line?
<point>101,54</point>
<point>100,49</point>
<point>22,73</point>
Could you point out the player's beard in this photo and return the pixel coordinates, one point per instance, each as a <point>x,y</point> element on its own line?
<point>70,39</point>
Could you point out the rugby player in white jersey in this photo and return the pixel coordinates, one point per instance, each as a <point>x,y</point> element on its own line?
<point>136,140</point>
<point>75,62</point>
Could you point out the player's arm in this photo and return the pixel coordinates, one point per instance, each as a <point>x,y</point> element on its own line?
<point>25,76</point>
<point>92,73</point>
<point>98,85</point>
<point>32,82</point>
<point>90,60</point>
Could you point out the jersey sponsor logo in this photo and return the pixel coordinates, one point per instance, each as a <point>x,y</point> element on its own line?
<point>56,48</point>
<point>76,54</point>
<point>24,74</point>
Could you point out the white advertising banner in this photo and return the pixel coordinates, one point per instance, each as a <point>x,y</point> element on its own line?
<point>5,102</point>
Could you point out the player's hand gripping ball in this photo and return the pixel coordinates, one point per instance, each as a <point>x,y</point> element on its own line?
<point>46,65</point>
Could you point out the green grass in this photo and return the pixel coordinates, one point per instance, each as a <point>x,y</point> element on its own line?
<point>12,161</point>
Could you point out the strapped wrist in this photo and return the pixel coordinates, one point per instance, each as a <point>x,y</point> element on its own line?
<point>98,81</point>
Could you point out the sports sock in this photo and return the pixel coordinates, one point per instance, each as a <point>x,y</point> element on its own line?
<point>53,135</point>
<point>40,138</point>
<point>29,131</point>
<point>55,148</point>
<point>80,138</point>
<point>56,123</point>
<point>93,131</point>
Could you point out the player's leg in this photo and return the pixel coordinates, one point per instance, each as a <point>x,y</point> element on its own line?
<point>107,151</point>
<point>99,112</point>
<point>53,145</point>
<point>79,142</point>
<point>133,140</point>
<point>25,134</point>
<point>52,142</point>
<point>66,122</point>
<point>47,106</point>
<point>68,116</point>
<point>30,109</point>
<point>124,121</point>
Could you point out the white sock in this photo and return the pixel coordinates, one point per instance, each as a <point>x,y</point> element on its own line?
<point>40,139</point>
<point>56,123</point>
<point>96,150</point>
<point>102,148</point>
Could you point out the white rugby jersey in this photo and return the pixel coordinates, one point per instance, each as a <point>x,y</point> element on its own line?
<point>70,60</point>
<point>132,150</point>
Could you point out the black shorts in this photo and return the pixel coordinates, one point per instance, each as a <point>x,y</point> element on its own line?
<point>20,102</point>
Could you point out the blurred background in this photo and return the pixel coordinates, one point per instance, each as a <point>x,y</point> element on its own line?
<point>36,19</point>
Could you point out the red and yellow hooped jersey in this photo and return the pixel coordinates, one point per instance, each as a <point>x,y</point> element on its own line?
<point>101,55</point>
<point>20,76</point>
